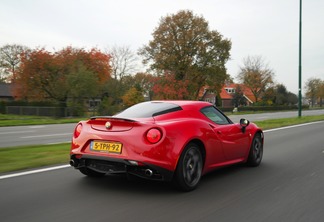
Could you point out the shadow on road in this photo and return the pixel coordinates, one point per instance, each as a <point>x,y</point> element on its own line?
<point>120,183</point>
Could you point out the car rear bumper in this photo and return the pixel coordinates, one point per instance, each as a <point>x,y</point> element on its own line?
<point>111,165</point>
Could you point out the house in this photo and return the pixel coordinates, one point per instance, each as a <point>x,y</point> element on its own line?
<point>5,92</point>
<point>227,94</point>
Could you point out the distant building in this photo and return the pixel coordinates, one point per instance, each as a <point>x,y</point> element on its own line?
<point>227,95</point>
<point>5,92</point>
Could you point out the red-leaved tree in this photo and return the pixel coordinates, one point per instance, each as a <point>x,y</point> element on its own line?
<point>66,74</point>
<point>168,87</point>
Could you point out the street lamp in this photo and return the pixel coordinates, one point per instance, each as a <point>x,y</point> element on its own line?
<point>300,66</point>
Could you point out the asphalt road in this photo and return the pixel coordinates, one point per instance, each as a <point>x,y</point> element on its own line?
<point>287,186</point>
<point>60,133</point>
<point>38,134</point>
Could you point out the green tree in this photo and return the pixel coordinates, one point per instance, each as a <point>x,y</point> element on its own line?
<point>281,96</point>
<point>292,98</point>
<point>83,85</point>
<point>238,97</point>
<point>145,83</point>
<point>256,75</point>
<point>184,45</point>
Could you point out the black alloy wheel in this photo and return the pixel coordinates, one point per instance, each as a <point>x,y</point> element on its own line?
<point>256,151</point>
<point>189,169</point>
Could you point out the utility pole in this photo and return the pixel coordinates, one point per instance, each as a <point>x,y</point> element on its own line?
<point>300,61</point>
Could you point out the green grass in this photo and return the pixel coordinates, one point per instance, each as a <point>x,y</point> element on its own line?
<point>27,157</point>
<point>19,120</point>
<point>275,123</point>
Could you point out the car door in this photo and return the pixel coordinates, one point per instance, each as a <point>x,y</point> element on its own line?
<point>235,142</point>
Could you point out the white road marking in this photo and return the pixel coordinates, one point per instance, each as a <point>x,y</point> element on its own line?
<point>65,166</point>
<point>33,171</point>
<point>59,142</point>
<point>37,127</point>
<point>289,127</point>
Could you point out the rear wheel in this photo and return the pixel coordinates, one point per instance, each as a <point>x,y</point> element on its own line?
<point>256,151</point>
<point>189,169</point>
<point>91,173</point>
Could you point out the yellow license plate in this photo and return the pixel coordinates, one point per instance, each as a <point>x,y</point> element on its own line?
<point>111,147</point>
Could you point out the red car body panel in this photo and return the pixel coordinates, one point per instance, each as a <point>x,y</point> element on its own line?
<point>221,145</point>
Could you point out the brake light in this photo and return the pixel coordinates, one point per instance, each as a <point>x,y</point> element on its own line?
<point>77,130</point>
<point>153,135</point>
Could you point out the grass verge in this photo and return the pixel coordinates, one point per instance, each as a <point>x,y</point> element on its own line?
<point>27,157</point>
<point>276,123</point>
<point>18,120</point>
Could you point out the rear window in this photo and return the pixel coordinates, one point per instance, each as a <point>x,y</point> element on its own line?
<point>148,109</point>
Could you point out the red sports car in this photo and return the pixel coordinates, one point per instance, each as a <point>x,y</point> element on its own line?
<point>165,140</point>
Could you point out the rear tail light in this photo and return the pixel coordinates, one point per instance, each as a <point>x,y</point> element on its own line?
<point>153,135</point>
<point>77,130</point>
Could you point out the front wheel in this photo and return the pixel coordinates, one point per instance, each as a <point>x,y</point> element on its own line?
<point>189,168</point>
<point>256,151</point>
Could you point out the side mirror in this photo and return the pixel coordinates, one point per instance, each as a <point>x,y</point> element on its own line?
<point>244,123</point>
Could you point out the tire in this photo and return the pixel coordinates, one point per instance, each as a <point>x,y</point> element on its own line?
<point>189,168</point>
<point>91,173</point>
<point>256,151</point>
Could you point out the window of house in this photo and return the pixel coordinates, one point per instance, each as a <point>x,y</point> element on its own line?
<point>230,90</point>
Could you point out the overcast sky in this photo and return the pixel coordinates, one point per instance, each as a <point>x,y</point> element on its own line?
<point>267,28</point>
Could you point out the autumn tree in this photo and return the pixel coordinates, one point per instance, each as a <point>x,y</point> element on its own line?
<point>32,78</point>
<point>67,74</point>
<point>133,96</point>
<point>256,75</point>
<point>169,87</point>
<point>184,45</point>
<point>10,58</point>
<point>321,93</point>
<point>313,87</point>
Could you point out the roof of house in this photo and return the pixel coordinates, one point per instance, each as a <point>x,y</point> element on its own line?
<point>224,94</point>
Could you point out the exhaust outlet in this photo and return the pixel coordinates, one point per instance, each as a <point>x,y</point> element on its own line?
<point>72,163</point>
<point>148,172</point>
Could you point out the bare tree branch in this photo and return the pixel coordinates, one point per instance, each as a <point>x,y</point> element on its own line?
<point>123,61</point>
